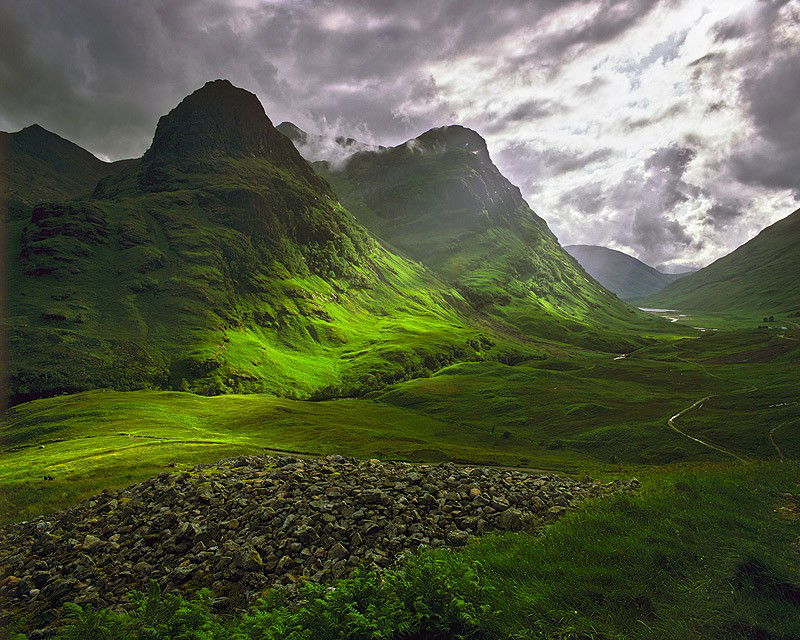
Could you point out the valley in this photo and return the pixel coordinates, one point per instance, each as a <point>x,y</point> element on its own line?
<point>572,412</point>
<point>313,351</point>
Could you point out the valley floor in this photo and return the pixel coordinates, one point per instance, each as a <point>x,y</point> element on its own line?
<point>708,423</point>
<point>574,412</point>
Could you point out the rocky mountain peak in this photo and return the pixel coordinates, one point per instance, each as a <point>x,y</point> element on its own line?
<point>454,136</point>
<point>293,132</point>
<point>217,119</point>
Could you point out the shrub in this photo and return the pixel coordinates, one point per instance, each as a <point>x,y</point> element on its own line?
<point>429,593</point>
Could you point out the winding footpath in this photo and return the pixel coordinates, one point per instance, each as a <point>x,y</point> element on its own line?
<point>773,443</point>
<point>699,403</point>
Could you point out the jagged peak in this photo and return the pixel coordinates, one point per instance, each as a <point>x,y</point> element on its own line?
<point>216,119</point>
<point>292,131</point>
<point>454,136</point>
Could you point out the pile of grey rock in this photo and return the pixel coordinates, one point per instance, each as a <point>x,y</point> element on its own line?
<point>246,524</point>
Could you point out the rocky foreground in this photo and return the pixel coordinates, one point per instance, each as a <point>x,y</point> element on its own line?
<point>248,523</point>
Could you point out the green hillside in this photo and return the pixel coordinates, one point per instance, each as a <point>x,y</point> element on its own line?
<point>620,273</point>
<point>222,263</point>
<point>38,165</point>
<point>440,199</point>
<point>575,411</point>
<point>760,277</point>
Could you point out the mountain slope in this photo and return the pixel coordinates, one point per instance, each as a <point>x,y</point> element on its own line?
<point>620,273</point>
<point>761,276</point>
<point>38,165</point>
<point>440,199</point>
<point>221,262</point>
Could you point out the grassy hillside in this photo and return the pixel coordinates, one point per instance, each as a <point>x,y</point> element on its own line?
<point>620,273</point>
<point>222,263</point>
<point>439,199</point>
<point>759,277</point>
<point>575,411</point>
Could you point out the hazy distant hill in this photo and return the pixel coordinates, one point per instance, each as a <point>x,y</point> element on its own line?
<point>763,276</point>
<point>619,272</point>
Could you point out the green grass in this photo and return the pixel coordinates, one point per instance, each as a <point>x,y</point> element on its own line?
<point>105,439</point>
<point>575,411</point>
<point>700,552</point>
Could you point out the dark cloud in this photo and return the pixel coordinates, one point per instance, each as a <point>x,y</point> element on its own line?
<point>588,88</point>
<point>533,110</point>
<point>709,57</point>
<point>605,21</point>
<point>658,239</point>
<point>530,167</point>
<point>649,198</point>
<point>639,123</point>
<point>766,59</point>
<point>528,111</point>
<point>729,30</point>
<point>587,199</point>
<point>721,215</point>
<point>772,96</point>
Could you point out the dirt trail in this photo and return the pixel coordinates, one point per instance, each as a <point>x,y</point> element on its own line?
<point>773,443</point>
<point>772,436</point>
<point>699,403</point>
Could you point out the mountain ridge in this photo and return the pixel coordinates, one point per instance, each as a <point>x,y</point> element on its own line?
<point>619,272</point>
<point>440,199</point>
<point>759,276</point>
<point>38,165</point>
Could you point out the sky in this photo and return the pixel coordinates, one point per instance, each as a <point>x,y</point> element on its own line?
<point>666,129</point>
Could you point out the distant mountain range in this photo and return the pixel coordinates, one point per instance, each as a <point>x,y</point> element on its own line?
<point>619,272</point>
<point>761,276</point>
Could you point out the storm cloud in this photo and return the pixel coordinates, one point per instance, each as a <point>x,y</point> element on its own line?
<point>669,129</point>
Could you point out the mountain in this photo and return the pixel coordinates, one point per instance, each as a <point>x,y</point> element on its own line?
<point>759,277</point>
<point>626,276</point>
<point>334,150</point>
<point>221,262</point>
<point>440,199</point>
<point>38,165</point>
